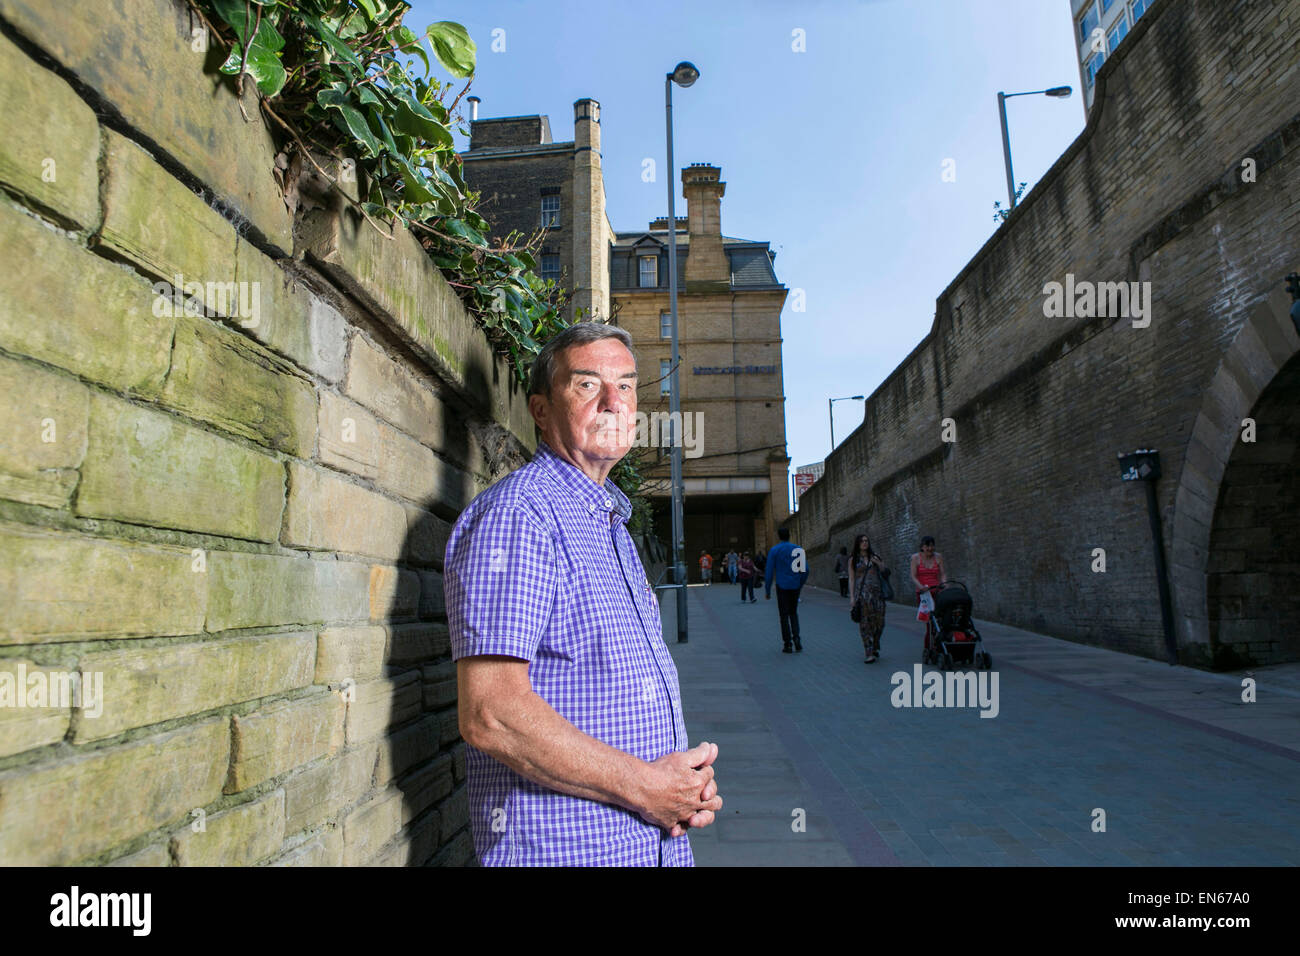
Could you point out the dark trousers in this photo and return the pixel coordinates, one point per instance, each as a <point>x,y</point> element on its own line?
<point>844,587</point>
<point>747,588</point>
<point>787,604</point>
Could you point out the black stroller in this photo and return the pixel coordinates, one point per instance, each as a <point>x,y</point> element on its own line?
<point>951,640</point>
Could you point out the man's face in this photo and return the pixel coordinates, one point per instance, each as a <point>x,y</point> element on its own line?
<point>592,406</point>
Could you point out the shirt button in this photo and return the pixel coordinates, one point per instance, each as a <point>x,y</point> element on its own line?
<point>608,503</point>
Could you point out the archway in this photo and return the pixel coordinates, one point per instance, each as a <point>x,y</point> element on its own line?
<point>1257,377</point>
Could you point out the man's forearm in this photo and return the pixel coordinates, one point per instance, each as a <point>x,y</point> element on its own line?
<point>532,739</point>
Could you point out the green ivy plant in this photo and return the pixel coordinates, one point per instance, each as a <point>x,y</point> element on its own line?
<point>346,79</point>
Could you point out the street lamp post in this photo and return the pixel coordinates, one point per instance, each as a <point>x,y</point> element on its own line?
<point>684,74</point>
<point>1061,91</point>
<point>830,410</point>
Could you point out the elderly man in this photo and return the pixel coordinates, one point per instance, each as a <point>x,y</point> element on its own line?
<point>569,702</point>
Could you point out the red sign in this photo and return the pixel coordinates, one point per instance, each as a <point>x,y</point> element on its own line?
<point>802,482</point>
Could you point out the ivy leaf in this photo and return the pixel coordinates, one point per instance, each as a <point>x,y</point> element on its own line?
<point>416,188</point>
<point>356,123</point>
<point>453,47</point>
<point>408,120</point>
<point>410,43</point>
<point>331,40</point>
<point>458,228</point>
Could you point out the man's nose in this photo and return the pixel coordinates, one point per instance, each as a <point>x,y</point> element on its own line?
<point>612,397</point>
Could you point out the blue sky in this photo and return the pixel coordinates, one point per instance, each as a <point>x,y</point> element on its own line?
<point>835,154</point>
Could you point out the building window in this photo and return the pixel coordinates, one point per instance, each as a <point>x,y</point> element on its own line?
<point>649,272</point>
<point>665,380</point>
<point>550,211</point>
<point>1106,5</point>
<point>1117,32</point>
<point>1139,8</point>
<point>665,325</point>
<point>1091,20</point>
<point>551,265</point>
<point>1094,63</point>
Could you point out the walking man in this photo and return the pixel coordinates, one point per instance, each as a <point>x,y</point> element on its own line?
<point>570,707</point>
<point>788,570</point>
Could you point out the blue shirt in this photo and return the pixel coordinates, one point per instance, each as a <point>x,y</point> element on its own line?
<point>780,568</point>
<point>541,567</point>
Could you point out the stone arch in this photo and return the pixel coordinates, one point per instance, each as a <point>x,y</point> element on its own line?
<point>1266,342</point>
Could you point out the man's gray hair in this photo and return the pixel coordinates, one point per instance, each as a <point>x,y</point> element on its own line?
<point>580,333</point>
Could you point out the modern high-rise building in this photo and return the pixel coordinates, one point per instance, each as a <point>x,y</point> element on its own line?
<point>1099,27</point>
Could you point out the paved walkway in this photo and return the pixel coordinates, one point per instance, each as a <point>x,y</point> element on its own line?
<point>1186,773</point>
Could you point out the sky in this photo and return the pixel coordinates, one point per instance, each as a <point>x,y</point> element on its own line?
<point>832,122</point>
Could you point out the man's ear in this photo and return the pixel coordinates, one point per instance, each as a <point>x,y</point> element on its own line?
<point>540,409</point>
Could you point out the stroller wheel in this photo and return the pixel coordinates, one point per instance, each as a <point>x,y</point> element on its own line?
<point>988,662</point>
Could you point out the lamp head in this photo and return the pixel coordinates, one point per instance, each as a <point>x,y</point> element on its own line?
<point>684,74</point>
<point>1059,91</point>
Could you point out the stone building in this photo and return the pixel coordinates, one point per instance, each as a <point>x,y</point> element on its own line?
<point>729,335</point>
<point>529,183</point>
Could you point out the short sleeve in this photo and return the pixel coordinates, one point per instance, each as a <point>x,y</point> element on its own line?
<point>501,581</point>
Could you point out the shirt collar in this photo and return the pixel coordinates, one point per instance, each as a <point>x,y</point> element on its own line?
<point>598,499</point>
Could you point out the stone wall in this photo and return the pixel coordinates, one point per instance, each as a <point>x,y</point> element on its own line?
<point>221,521</point>
<point>1185,177</point>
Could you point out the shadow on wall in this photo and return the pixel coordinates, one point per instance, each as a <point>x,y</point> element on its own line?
<point>423,753</point>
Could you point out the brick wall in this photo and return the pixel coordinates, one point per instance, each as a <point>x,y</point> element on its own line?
<point>1154,189</point>
<point>230,512</point>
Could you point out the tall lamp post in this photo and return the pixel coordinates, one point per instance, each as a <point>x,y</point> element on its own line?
<point>684,74</point>
<point>1061,91</point>
<point>830,409</point>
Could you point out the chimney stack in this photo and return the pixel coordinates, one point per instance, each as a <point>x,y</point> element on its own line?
<point>590,238</point>
<point>473,102</point>
<point>706,263</point>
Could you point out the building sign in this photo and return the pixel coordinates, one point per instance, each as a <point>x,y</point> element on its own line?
<point>802,482</point>
<point>735,369</point>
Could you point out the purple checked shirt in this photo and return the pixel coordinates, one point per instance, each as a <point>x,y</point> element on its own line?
<point>541,567</point>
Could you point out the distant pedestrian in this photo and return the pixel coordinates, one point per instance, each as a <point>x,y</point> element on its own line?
<point>787,569</point>
<point>865,570</point>
<point>706,567</point>
<point>747,572</point>
<point>733,560</point>
<point>842,571</point>
<point>760,563</point>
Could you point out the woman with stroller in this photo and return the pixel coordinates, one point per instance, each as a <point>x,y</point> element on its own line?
<point>927,570</point>
<point>865,567</point>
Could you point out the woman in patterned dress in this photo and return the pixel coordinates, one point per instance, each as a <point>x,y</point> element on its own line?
<point>864,584</point>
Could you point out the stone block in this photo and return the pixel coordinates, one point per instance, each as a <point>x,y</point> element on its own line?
<point>105,331</point>
<point>393,392</point>
<point>274,740</point>
<point>156,223</point>
<point>455,814</point>
<point>403,749</point>
<point>24,727</point>
<point>426,537</point>
<point>75,808</point>
<point>380,705</point>
<point>355,652</point>
<point>55,162</point>
<point>152,856</point>
<point>440,685</point>
<point>63,587</point>
<point>240,836</point>
<point>144,467</point>
<point>42,433</point>
<point>324,849</point>
<point>292,321</point>
<point>323,791</point>
<point>418,644</point>
<point>269,590</point>
<point>218,376</point>
<point>368,827</point>
<point>143,686</point>
<point>394,593</point>
<point>329,513</point>
<point>433,599</point>
<point>426,786</point>
<point>170,91</point>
